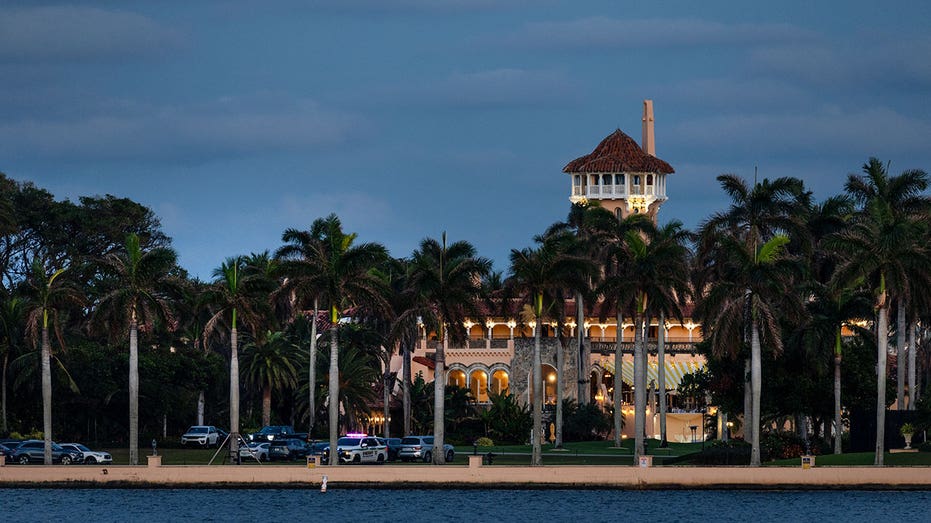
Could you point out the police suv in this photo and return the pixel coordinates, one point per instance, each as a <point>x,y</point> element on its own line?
<point>361,449</point>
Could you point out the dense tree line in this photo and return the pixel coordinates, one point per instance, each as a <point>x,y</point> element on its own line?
<point>104,338</point>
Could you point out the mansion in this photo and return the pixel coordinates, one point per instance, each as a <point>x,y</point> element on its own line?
<point>624,178</point>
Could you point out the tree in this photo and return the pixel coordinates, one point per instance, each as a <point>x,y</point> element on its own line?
<point>757,213</point>
<point>271,366</point>
<point>231,294</point>
<point>12,320</point>
<point>757,281</point>
<point>447,279</point>
<point>343,278</point>
<point>885,245</point>
<point>618,289</point>
<point>49,292</point>
<point>591,224</point>
<point>539,275</point>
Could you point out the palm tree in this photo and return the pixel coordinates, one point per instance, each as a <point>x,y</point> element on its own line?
<point>447,280</point>
<point>617,288</point>
<point>758,281</point>
<point>884,244</point>
<point>270,362</point>
<point>539,274</point>
<point>757,213</point>
<point>299,263</point>
<point>231,293</point>
<point>48,293</point>
<point>11,326</point>
<point>342,277</point>
<point>655,266</point>
<point>591,224</point>
<point>358,371</point>
<point>135,280</point>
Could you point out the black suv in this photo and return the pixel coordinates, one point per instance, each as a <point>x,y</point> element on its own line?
<point>287,449</point>
<point>33,451</point>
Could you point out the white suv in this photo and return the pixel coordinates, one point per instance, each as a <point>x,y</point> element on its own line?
<point>361,449</point>
<point>203,435</point>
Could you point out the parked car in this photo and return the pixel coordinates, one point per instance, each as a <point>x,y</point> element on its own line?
<point>273,432</point>
<point>33,451</point>
<point>7,452</point>
<point>421,448</point>
<point>91,457</point>
<point>360,449</point>
<point>255,450</point>
<point>394,445</point>
<point>286,449</point>
<point>317,448</point>
<point>203,435</point>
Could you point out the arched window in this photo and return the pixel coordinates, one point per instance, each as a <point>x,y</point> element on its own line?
<point>478,386</point>
<point>500,382</point>
<point>618,179</point>
<point>456,378</point>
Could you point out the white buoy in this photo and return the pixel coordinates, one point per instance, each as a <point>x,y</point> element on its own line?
<point>323,486</point>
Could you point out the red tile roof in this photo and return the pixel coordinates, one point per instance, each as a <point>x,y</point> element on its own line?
<point>618,153</point>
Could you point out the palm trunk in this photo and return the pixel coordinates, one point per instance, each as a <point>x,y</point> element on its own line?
<point>234,394</point>
<point>900,363</point>
<point>47,396</point>
<point>748,402</point>
<point>912,349</point>
<point>756,388</point>
<point>386,398</point>
<point>201,400</point>
<point>640,378</point>
<point>312,373</point>
<point>266,406</point>
<point>537,453</point>
<point>406,398</point>
<point>439,398</point>
<point>560,363</point>
<point>882,345</point>
<point>618,382</point>
<point>6,361</point>
<point>133,392</point>
<point>334,393</point>
<point>584,360</point>
<point>661,377</point>
<point>838,421</point>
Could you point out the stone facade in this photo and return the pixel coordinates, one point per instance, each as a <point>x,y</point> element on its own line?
<point>522,366</point>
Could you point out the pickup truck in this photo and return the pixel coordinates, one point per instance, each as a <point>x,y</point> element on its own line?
<point>273,432</point>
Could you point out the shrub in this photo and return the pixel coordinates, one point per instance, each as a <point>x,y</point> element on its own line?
<point>585,422</point>
<point>784,445</point>
<point>484,442</point>
<point>925,447</point>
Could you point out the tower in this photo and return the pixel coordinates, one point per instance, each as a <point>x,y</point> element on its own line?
<point>620,175</point>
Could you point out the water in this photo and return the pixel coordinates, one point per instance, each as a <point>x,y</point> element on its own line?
<point>409,506</point>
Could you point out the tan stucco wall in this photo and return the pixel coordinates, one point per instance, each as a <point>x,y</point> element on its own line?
<point>460,474</point>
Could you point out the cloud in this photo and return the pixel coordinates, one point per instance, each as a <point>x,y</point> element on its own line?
<point>224,127</point>
<point>79,34</point>
<point>865,62</point>
<point>733,93</point>
<point>602,32</point>
<point>494,88</point>
<point>829,130</point>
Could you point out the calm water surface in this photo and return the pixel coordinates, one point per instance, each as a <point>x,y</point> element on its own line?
<point>407,506</point>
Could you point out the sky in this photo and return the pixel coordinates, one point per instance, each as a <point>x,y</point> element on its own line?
<point>234,120</point>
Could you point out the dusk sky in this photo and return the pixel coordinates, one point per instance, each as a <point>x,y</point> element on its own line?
<point>234,120</point>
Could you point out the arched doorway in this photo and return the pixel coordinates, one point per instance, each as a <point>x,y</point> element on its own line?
<point>549,385</point>
<point>457,378</point>
<point>478,385</point>
<point>500,382</point>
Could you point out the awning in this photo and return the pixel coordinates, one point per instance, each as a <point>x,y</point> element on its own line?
<point>426,362</point>
<point>674,371</point>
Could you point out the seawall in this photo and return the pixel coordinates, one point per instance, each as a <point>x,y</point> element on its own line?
<point>473,475</point>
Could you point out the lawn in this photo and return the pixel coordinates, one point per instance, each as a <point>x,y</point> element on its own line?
<point>899,459</point>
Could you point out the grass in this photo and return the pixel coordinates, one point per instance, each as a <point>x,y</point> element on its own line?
<point>900,459</point>
<point>576,453</point>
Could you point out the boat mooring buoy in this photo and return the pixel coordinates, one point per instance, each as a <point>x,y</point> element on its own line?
<point>323,485</point>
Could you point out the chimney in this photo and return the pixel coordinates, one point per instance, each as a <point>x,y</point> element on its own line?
<point>649,144</point>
